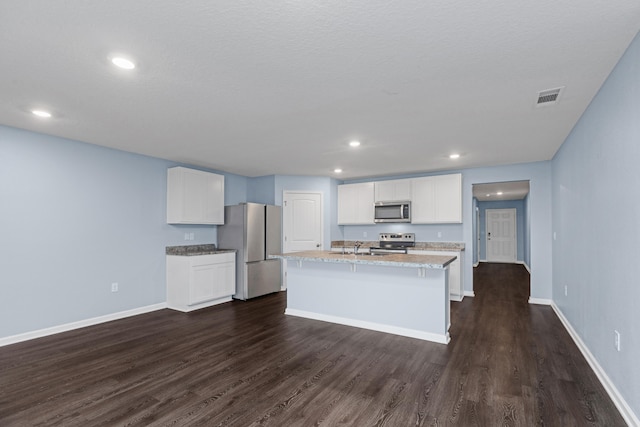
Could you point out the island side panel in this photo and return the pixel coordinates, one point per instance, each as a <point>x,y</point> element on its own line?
<point>389,299</point>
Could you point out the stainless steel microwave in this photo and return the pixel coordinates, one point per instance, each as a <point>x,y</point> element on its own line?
<point>392,212</point>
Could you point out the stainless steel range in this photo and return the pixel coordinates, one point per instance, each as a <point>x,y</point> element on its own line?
<point>394,243</point>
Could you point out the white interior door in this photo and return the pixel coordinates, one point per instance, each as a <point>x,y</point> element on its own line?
<point>501,235</point>
<point>302,220</point>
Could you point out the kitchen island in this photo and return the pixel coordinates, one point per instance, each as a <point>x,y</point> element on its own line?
<point>396,293</point>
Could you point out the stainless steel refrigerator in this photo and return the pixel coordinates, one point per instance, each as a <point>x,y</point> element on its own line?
<point>255,231</point>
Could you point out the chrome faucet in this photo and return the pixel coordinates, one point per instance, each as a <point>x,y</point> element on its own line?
<point>356,246</point>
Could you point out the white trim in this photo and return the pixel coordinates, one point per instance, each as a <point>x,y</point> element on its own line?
<point>500,262</point>
<point>469,294</point>
<point>540,301</point>
<point>189,308</point>
<point>13,339</point>
<point>476,264</point>
<point>625,410</point>
<point>525,265</point>
<point>412,333</point>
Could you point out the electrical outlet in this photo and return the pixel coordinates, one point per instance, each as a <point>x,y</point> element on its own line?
<point>114,287</point>
<point>186,236</point>
<point>566,290</point>
<point>616,340</point>
<point>364,234</point>
<point>439,234</point>
<point>191,236</point>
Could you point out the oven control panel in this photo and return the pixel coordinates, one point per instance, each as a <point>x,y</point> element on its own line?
<point>397,237</point>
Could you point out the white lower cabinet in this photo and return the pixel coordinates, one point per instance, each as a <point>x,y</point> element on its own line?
<point>455,271</point>
<point>200,281</point>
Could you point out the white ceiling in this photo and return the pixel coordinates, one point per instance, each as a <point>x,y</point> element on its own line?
<point>280,87</point>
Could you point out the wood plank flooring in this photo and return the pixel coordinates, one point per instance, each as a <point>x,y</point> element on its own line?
<point>247,364</point>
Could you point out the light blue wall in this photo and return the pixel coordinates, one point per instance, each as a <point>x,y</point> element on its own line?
<point>596,217</point>
<point>424,233</point>
<point>518,205</point>
<point>75,218</point>
<point>262,190</point>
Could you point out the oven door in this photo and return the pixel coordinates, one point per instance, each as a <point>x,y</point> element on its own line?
<point>386,251</point>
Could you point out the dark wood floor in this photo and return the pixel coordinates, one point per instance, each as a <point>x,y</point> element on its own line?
<point>246,364</point>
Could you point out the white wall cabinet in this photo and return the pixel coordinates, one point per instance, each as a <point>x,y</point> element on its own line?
<point>194,197</point>
<point>355,203</point>
<point>200,281</point>
<point>436,199</point>
<point>455,271</point>
<point>395,190</point>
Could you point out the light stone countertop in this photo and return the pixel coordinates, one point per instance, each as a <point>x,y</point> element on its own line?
<point>395,260</point>
<point>195,250</point>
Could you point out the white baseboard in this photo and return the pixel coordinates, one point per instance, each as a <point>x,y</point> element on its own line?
<point>13,339</point>
<point>525,265</point>
<point>625,410</point>
<point>405,332</point>
<point>540,301</point>
<point>469,294</point>
<point>476,264</point>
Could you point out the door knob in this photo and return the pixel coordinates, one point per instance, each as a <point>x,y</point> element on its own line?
<point>317,245</point>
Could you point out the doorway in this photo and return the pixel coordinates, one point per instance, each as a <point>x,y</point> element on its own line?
<point>496,196</point>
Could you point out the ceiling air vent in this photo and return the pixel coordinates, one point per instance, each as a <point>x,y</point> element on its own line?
<point>549,96</point>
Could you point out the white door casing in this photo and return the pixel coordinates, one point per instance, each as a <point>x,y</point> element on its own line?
<point>302,220</point>
<point>501,235</point>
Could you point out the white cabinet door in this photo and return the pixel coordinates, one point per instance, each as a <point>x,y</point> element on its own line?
<point>449,198</point>
<point>437,199</point>
<point>395,190</point>
<point>202,282</point>
<point>355,203</point>
<point>194,197</point>
<point>225,279</point>
<point>423,201</point>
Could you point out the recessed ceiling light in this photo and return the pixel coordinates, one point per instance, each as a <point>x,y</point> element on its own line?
<point>499,193</point>
<point>454,156</point>
<point>488,195</point>
<point>337,170</point>
<point>121,62</point>
<point>354,143</point>
<point>41,113</point>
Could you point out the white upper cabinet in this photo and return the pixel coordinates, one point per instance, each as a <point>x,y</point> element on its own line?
<point>194,197</point>
<point>436,199</point>
<point>395,190</point>
<point>355,203</point>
